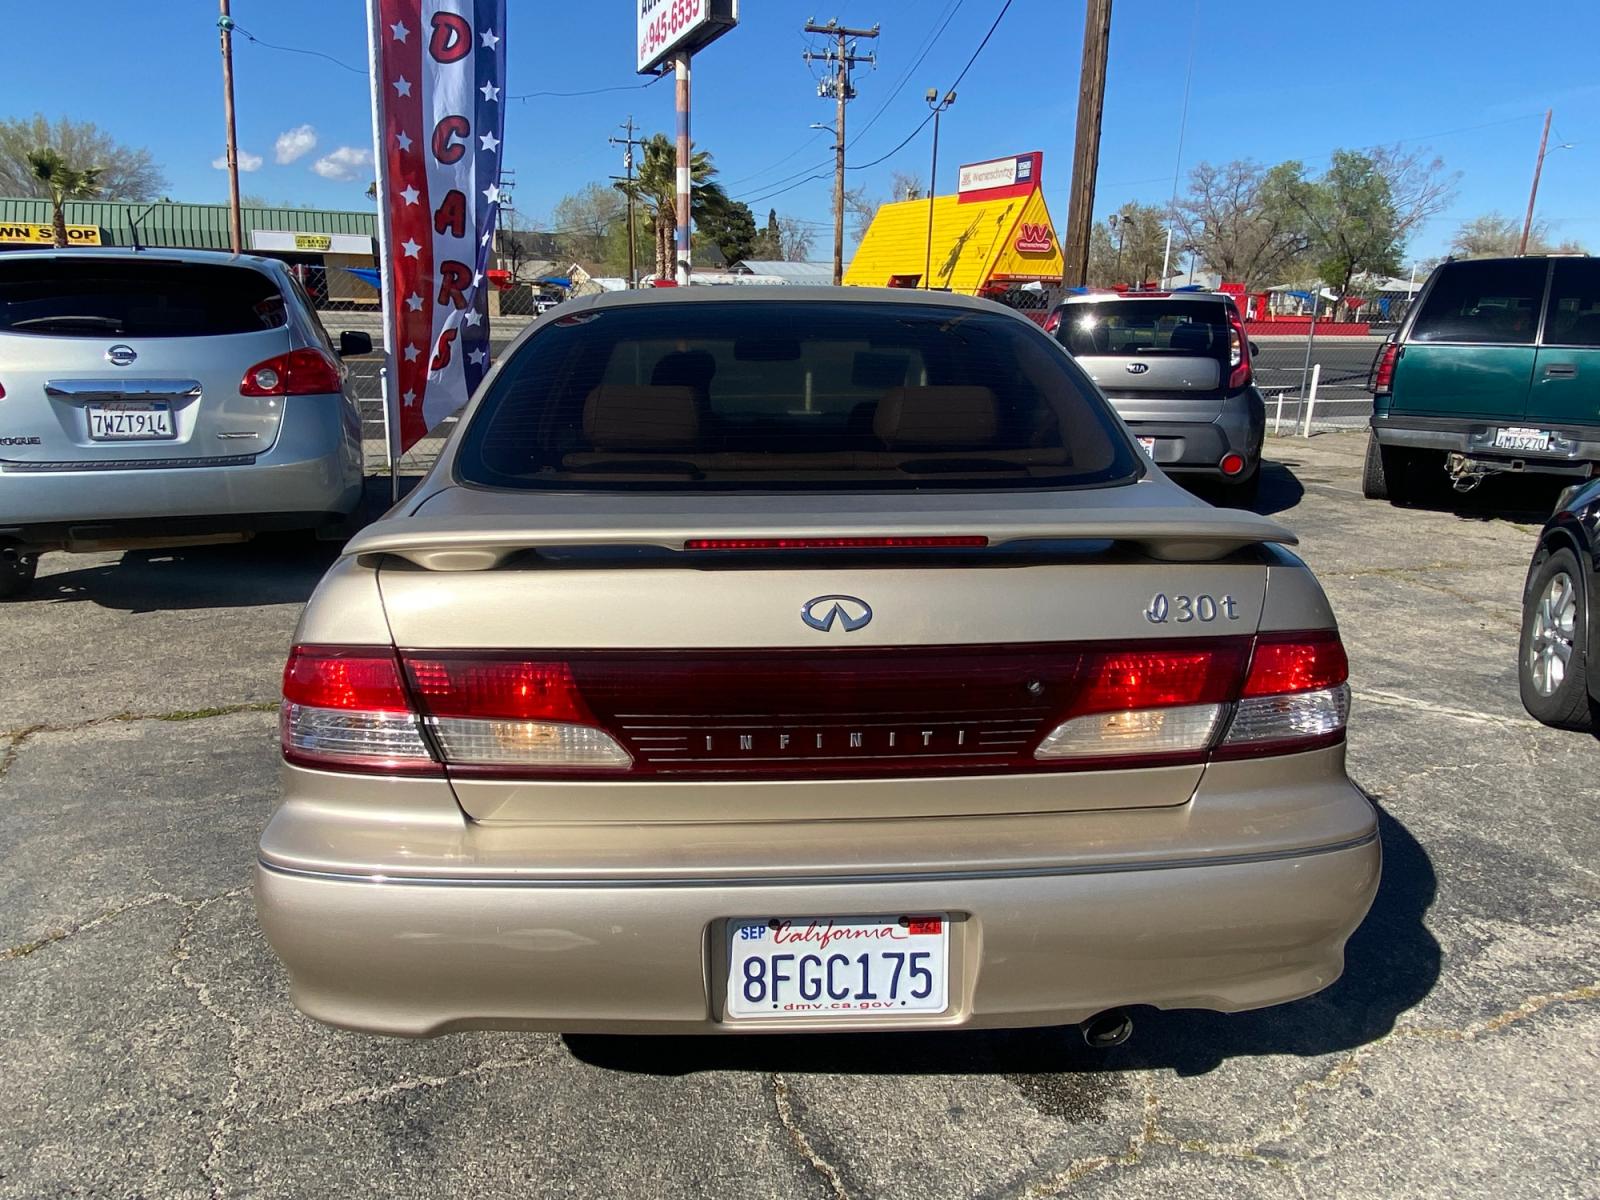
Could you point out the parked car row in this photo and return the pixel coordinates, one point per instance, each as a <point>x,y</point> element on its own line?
<point>1496,371</point>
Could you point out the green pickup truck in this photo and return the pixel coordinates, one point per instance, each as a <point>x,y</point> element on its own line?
<point>1496,369</point>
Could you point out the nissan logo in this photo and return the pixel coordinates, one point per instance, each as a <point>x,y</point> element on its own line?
<point>120,356</point>
<point>1137,368</point>
<point>848,611</point>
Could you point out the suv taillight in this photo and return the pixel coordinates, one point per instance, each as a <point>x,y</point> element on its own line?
<point>1383,371</point>
<point>1238,353</point>
<point>1053,322</point>
<point>297,373</point>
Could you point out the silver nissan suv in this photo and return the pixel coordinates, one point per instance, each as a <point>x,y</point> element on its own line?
<point>161,397</point>
<point>792,659</point>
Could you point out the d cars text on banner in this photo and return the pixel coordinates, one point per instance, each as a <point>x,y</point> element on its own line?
<point>438,95</point>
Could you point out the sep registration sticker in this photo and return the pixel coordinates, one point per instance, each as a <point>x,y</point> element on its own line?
<point>784,967</point>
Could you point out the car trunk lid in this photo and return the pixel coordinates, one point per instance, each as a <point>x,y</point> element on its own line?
<point>847,674</point>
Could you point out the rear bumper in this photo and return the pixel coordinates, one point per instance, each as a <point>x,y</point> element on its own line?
<point>313,469</point>
<point>1241,898</point>
<point>418,959</point>
<point>1575,453</point>
<point>1198,446</point>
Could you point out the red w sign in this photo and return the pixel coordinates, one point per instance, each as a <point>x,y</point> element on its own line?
<point>1035,239</point>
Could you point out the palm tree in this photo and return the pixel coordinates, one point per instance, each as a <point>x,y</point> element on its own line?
<point>65,182</point>
<point>656,187</point>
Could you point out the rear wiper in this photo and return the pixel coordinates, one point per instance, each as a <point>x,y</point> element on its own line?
<point>936,466</point>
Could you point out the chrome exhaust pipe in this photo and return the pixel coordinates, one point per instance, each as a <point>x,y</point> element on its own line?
<point>1105,1030</point>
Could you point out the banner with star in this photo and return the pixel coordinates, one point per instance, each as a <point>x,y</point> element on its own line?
<point>438,70</point>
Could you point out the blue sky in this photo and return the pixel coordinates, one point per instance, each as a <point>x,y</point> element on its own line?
<point>1271,81</point>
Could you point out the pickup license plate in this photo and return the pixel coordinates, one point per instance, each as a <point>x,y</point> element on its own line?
<point>130,420</point>
<point>838,966</point>
<point>1513,438</point>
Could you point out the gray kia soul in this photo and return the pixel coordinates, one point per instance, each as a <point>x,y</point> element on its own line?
<point>1176,367</point>
<point>163,397</point>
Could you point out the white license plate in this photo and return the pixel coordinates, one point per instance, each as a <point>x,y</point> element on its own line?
<point>130,420</point>
<point>782,967</point>
<point>1521,439</point>
<point>1149,445</point>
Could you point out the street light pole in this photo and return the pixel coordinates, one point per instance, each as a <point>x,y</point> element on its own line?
<point>939,106</point>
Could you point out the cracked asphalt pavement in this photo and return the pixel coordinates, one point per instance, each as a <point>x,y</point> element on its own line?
<point>148,1047</point>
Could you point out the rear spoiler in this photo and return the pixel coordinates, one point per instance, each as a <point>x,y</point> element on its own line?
<point>484,542</point>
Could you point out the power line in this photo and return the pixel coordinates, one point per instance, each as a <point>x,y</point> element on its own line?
<point>250,37</point>
<point>627,87</point>
<point>926,49</point>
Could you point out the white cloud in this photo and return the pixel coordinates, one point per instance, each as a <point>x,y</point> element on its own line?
<point>247,161</point>
<point>347,162</point>
<point>294,144</point>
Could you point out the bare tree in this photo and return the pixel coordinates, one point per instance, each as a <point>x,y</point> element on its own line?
<point>1240,220</point>
<point>1419,186</point>
<point>796,239</point>
<point>861,208</point>
<point>126,173</point>
<point>1494,235</point>
<point>906,185</point>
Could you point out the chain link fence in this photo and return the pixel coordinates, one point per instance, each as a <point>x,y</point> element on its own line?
<point>1315,385</point>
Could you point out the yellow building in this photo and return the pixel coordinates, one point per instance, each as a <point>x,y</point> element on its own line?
<point>992,234</point>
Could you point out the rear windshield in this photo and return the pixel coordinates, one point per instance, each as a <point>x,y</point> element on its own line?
<point>1493,301</point>
<point>791,394</point>
<point>63,297</point>
<point>1175,328</point>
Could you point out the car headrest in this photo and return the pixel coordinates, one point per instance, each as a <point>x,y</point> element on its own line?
<point>685,368</point>
<point>1190,336</point>
<point>641,418</point>
<point>910,417</point>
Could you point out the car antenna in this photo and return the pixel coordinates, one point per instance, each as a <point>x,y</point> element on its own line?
<point>138,243</point>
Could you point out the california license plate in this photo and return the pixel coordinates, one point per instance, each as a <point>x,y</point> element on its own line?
<point>1513,438</point>
<point>130,420</point>
<point>1149,445</point>
<point>784,967</point>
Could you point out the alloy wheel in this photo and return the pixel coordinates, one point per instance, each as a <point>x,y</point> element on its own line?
<point>1550,639</point>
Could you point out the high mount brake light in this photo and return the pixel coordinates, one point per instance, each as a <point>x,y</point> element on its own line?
<point>976,709</point>
<point>297,373</point>
<point>838,543</point>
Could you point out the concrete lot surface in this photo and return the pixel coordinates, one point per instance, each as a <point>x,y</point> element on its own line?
<point>148,1048</point>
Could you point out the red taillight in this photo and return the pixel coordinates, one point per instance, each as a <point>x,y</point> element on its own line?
<point>297,373</point>
<point>838,543</point>
<point>353,677</point>
<point>448,686</point>
<point>2,391</point>
<point>1238,353</point>
<point>1296,662</point>
<point>1383,375</point>
<point>833,713</point>
<point>1232,464</point>
<point>1053,322</point>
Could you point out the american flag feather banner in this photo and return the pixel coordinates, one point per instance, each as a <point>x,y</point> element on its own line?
<point>438,79</point>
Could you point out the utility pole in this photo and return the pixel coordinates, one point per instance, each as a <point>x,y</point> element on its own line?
<point>235,222</point>
<point>627,164</point>
<point>1533,195</point>
<point>1086,152</point>
<point>843,91</point>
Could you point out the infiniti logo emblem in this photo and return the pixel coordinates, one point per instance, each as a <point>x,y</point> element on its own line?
<point>120,356</point>
<point>848,611</point>
<point>1138,368</point>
